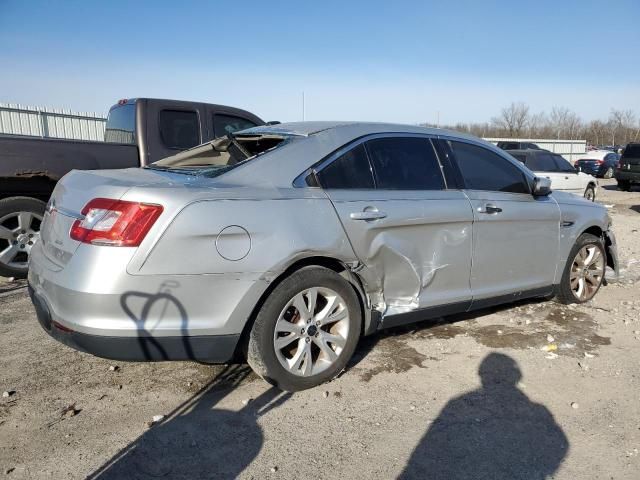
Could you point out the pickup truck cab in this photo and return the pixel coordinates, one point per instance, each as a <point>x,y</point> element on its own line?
<point>628,170</point>
<point>562,174</point>
<point>138,132</point>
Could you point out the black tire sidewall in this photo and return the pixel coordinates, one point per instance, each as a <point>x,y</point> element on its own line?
<point>566,293</point>
<point>261,336</point>
<point>593,193</point>
<point>13,205</point>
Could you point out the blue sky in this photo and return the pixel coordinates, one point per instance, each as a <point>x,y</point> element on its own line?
<point>401,61</point>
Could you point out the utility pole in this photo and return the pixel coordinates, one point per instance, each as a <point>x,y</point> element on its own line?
<point>303,105</point>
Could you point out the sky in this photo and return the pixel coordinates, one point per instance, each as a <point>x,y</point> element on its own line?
<point>397,61</point>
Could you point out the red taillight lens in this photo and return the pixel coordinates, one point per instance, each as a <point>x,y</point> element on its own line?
<point>115,222</point>
<point>600,162</point>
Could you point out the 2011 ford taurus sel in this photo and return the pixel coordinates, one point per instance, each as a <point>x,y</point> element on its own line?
<point>288,243</point>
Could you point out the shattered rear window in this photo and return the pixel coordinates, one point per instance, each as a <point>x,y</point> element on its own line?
<point>220,155</point>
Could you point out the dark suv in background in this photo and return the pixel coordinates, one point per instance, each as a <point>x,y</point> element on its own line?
<point>628,171</point>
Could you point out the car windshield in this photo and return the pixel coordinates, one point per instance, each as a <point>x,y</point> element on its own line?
<point>219,155</point>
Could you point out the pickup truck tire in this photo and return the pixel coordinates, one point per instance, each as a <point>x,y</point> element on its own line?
<point>20,219</point>
<point>624,185</point>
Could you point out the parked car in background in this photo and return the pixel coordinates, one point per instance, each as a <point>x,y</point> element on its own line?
<point>628,171</point>
<point>599,163</point>
<point>289,243</point>
<point>557,169</point>
<point>139,131</point>
<point>518,146</point>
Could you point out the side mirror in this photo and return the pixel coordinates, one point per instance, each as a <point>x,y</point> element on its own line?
<point>541,187</point>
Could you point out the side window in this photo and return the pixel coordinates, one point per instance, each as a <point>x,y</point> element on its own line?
<point>483,169</point>
<point>542,162</point>
<point>179,129</point>
<point>350,170</point>
<point>408,163</point>
<point>563,164</point>
<point>522,158</point>
<point>224,124</point>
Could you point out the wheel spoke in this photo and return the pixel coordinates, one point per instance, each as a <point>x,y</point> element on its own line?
<point>580,291</point>
<point>283,326</point>
<point>336,340</point>
<point>312,298</point>
<point>282,342</point>
<point>591,251</point>
<point>8,254</point>
<point>24,220</point>
<point>328,352</point>
<point>295,361</point>
<point>5,233</point>
<point>301,306</point>
<point>325,314</point>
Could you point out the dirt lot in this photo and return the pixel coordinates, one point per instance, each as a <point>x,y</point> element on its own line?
<point>474,396</point>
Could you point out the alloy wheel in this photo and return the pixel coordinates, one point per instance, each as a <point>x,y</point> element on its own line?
<point>587,272</point>
<point>311,331</point>
<point>18,233</point>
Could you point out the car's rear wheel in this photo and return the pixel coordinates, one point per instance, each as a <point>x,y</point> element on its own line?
<point>590,193</point>
<point>624,185</point>
<point>608,173</point>
<point>306,331</point>
<point>20,219</point>
<point>584,272</point>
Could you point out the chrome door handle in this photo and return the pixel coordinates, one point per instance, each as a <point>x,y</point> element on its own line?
<point>489,208</point>
<point>368,215</point>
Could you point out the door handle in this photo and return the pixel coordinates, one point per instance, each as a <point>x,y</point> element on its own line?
<point>368,215</point>
<point>489,208</point>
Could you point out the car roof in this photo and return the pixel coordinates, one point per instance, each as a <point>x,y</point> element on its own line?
<point>346,129</point>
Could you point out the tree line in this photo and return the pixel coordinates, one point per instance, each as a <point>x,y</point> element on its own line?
<point>518,121</point>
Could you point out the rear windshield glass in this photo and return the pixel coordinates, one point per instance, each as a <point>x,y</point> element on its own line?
<point>121,124</point>
<point>220,155</point>
<point>632,150</point>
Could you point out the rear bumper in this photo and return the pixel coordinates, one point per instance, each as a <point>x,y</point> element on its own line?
<point>206,348</point>
<point>628,176</point>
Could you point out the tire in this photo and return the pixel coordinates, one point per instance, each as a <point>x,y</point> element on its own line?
<point>566,293</point>
<point>624,185</point>
<point>279,320</point>
<point>609,173</point>
<point>20,219</point>
<point>590,193</point>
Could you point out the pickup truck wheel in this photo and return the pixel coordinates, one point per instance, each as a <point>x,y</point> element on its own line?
<point>624,185</point>
<point>306,331</point>
<point>20,219</point>
<point>584,272</point>
<point>590,193</point>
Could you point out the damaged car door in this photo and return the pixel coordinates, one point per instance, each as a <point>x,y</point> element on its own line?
<point>410,232</point>
<point>515,234</point>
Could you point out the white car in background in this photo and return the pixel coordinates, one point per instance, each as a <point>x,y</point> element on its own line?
<point>556,168</point>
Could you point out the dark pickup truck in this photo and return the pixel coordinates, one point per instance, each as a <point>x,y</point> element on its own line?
<point>138,132</point>
<point>628,171</point>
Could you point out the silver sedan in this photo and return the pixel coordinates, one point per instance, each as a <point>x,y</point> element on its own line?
<point>285,244</point>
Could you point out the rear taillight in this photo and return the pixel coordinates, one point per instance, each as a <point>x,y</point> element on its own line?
<point>599,162</point>
<point>115,222</point>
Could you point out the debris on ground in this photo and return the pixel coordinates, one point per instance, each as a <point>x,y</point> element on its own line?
<point>8,393</point>
<point>114,368</point>
<point>70,411</point>
<point>574,405</point>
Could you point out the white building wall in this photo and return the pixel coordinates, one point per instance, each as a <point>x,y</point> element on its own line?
<point>572,150</point>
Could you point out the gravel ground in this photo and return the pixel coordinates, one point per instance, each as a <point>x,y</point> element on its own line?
<point>472,396</point>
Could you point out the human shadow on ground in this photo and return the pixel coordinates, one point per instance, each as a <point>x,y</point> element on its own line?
<point>494,432</point>
<point>198,440</point>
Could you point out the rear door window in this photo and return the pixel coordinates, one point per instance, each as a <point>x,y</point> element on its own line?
<point>563,164</point>
<point>224,124</point>
<point>349,171</point>
<point>542,162</point>
<point>405,163</point>
<point>483,169</point>
<point>179,129</point>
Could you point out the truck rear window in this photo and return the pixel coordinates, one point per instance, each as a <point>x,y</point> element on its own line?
<point>632,151</point>
<point>121,124</point>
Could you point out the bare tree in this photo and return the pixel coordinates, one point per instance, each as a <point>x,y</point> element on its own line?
<point>513,118</point>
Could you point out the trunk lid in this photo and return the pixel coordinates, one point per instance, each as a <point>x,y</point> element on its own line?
<point>74,191</point>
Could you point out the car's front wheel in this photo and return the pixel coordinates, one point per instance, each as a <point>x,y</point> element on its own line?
<point>590,193</point>
<point>306,331</point>
<point>584,272</point>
